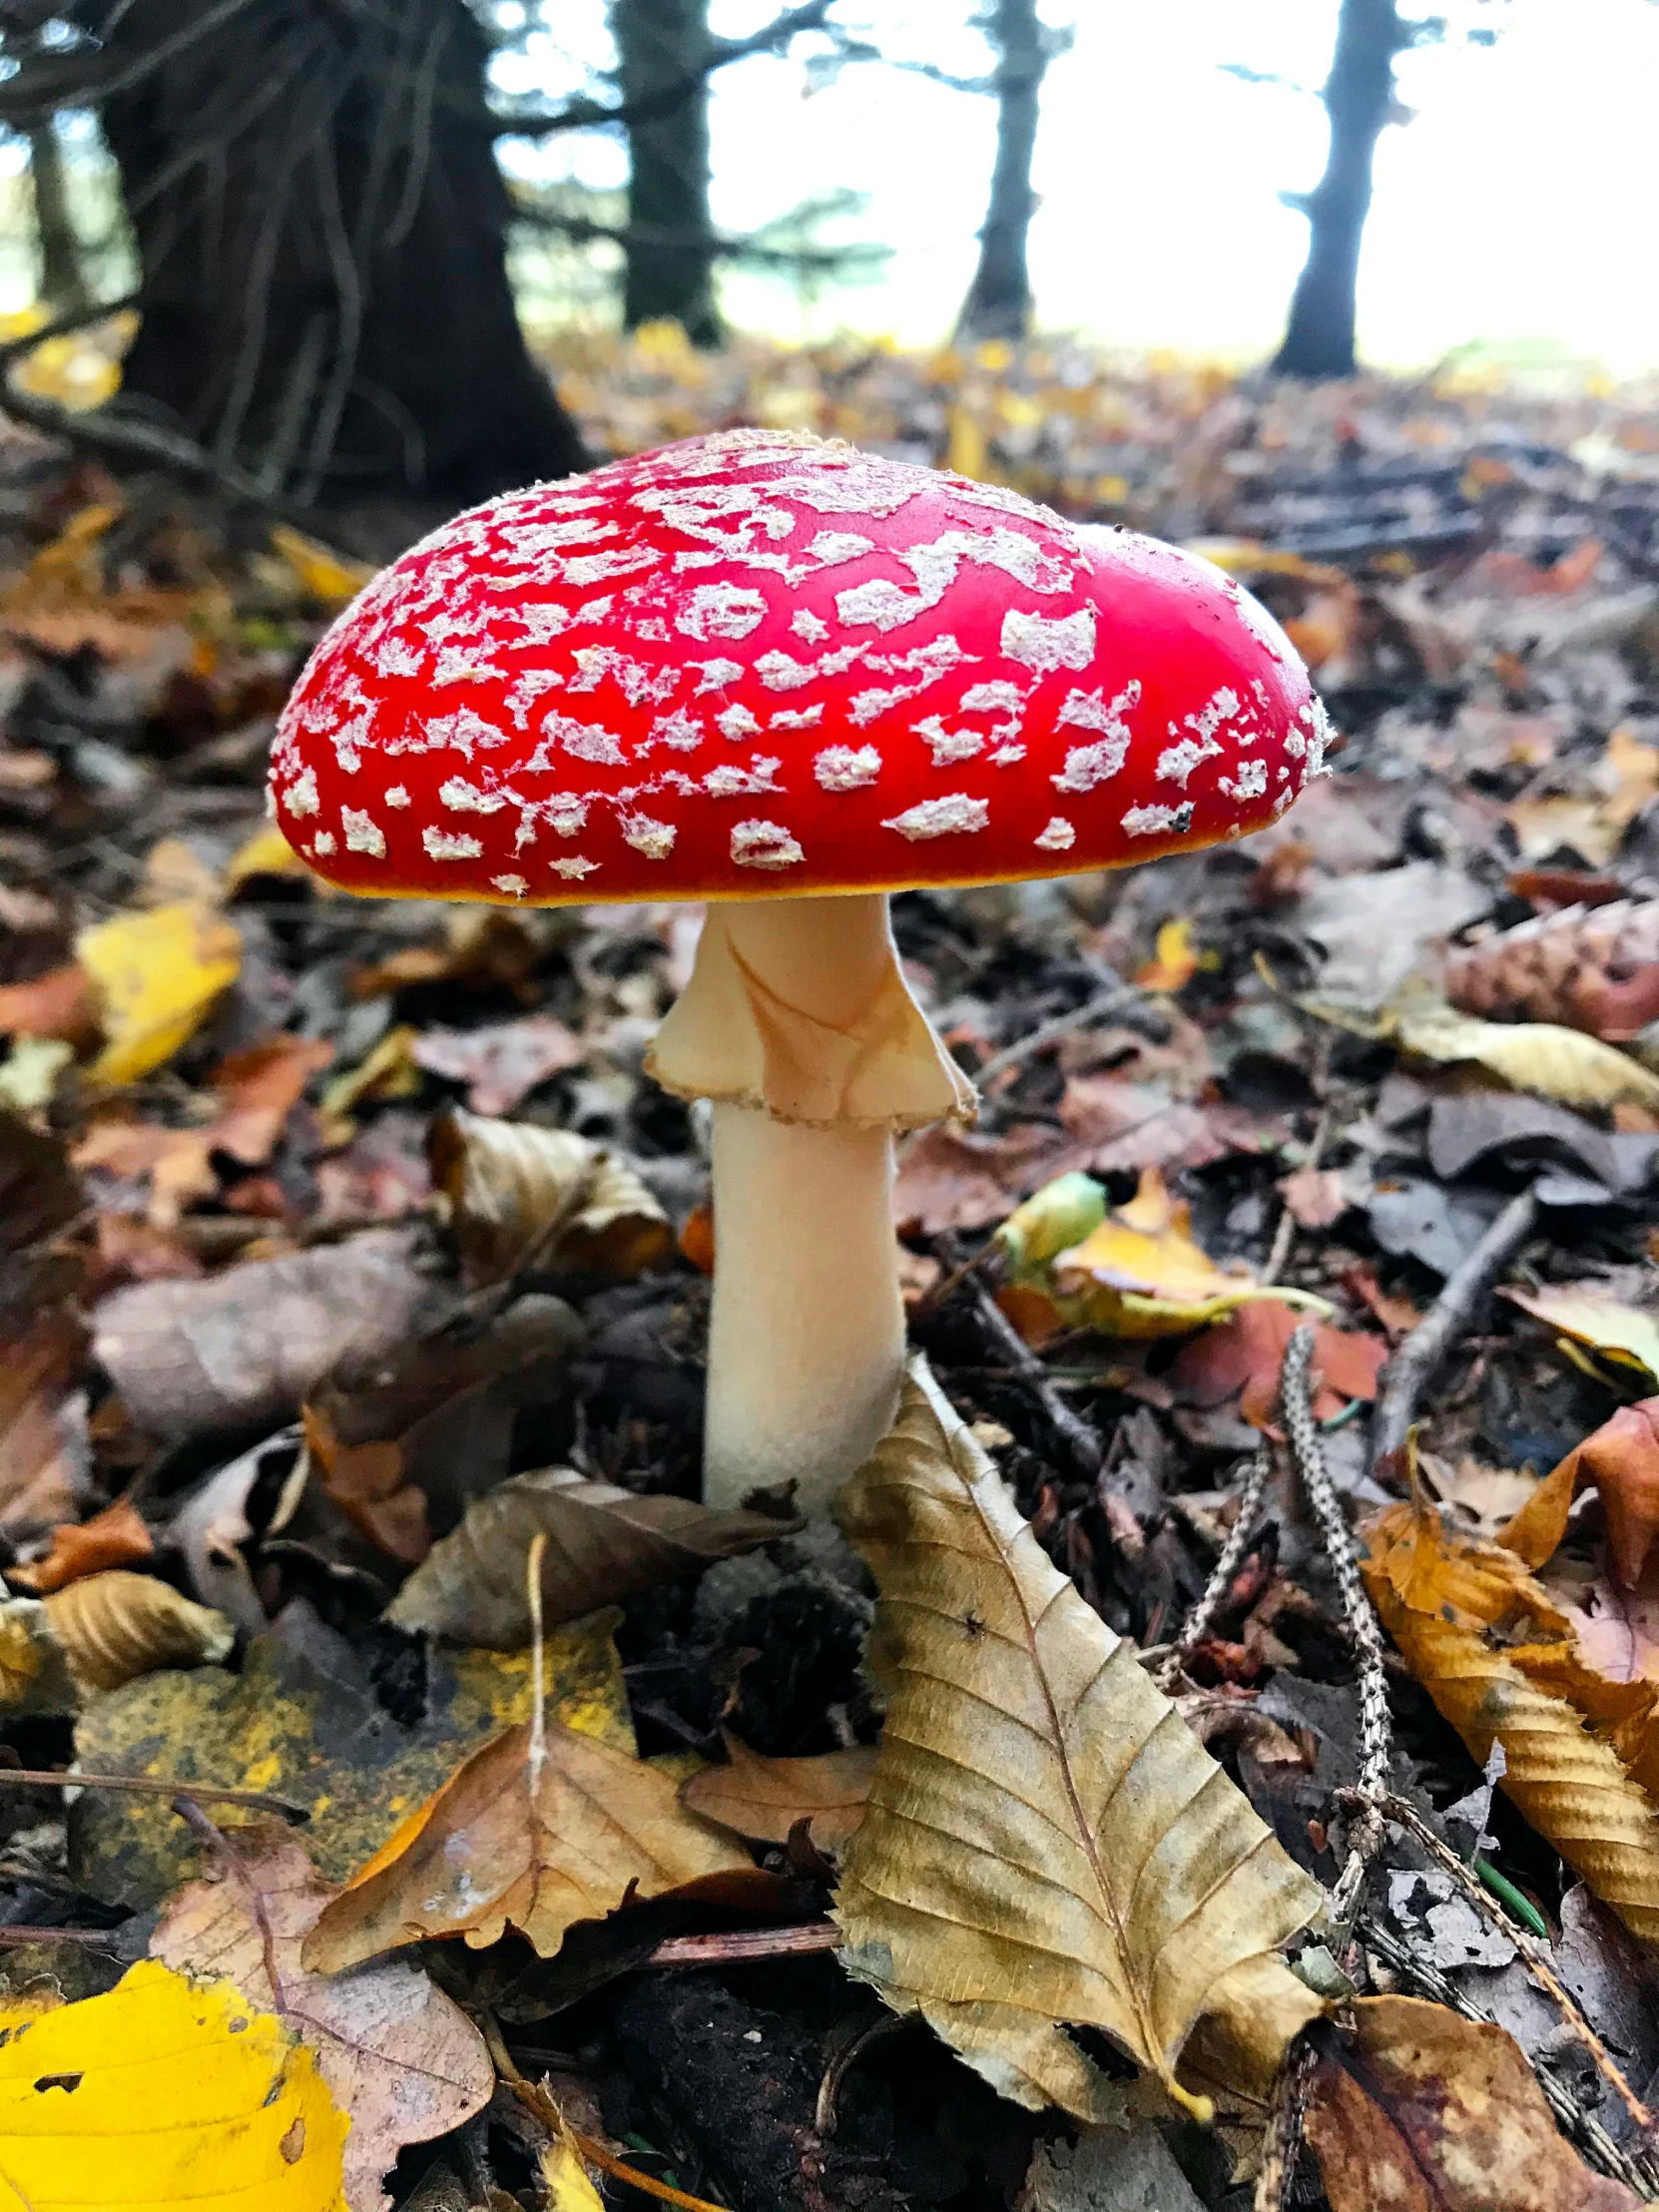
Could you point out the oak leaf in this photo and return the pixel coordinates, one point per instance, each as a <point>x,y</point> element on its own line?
<point>117,1625</point>
<point>603,1543</point>
<point>398,2057</point>
<point>766,1799</point>
<point>1423,2112</point>
<point>165,2091</point>
<point>529,1835</point>
<point>519,1194</point>
<point>1046,1843</point>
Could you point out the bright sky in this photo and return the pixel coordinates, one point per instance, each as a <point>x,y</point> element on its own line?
<point>1518,205</point>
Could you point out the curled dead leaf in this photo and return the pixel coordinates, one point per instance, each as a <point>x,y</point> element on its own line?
<point>117,1625</point>
<point>525,1835</point>
<point>1242,1355</point>
<point>1045,1840</point>
<point>766,1799</point>
<point>116,1537</point>
<point>603,1545</point>
<point>521,1194</point>
<point>1626,1334</point>
<point>1421,2110</point>
<point>1621,1458</point>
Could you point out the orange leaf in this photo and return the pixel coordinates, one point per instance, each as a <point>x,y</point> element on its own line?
<point>1241,1356</point>
<point>697,1239</point>
<point>1622,1459</point>
<point>116,1537</point>
<point>57,1004</point>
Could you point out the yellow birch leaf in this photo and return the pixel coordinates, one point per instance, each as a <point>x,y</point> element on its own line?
<point>158,976</point>
<point>1046,1843</point>
<point>164,2092</point>
<point>1499,1658</point>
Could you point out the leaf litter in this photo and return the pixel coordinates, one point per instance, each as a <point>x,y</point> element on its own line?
<point>344,1248</point>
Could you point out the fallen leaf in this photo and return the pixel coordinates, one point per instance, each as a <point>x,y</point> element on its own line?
<point>501,1062</point>
<point>1063,1213</point>
<point>1626,1334</point>
<point>34,1668</point>
<point>398,2058</point>
<point>117,1625</point>
<point>241,1350</point>
<point>297,1719</point>
<point>1108,2169</point>
<point>1045,1844</point>
<point>1421,2110</point>
<point>326,576</point>
<point>950,1178</point>
<point>1540,1057</point>
<point>1177,958</point>
<point>266,852</point>
<point>43,1440</point>
<point>57,1004</point>
<point>116,1537</point>
<point>525,1836</point>
<point>165,2091</point>
<point>485,948</point>
<point>158,975</point>
<point>1621,1458</point>
<point>766,1799</point>
<point>1398,1313</point>
<point>519,1193</point>
<point>603,1545</point>
<point>1499,1658</point>
<point>1242,1357</point>
<point>386,1071</point>
<point>1315,1197</point>
<point>1140,1274</point>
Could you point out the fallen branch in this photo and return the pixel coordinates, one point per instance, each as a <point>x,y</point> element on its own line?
<point>733,1946</point>
<point>1082,1444</point>
<point>1110,1001</point>
<point>1414,1364</point>
<point>255,1801</point>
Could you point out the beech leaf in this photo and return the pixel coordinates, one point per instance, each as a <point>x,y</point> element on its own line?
<point>1621,1458</point>
<point>1423,2112</point>
<point>766,1799</point>
<point>117,1625</point>
<point>1046,1843</point>
<point>116,1537</point>
<point>519,1193</point>
<point>398,2057</point>
<point>603,1545</point>
<point>514,1840</point>
<point>1537,1056</point>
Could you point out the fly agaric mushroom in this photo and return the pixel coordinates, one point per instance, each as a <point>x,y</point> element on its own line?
<point>787,678</point>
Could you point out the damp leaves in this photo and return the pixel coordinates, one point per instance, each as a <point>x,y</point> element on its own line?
<point>521,1195</point>
<point>183,2090</point>
<point>1045,1841</point>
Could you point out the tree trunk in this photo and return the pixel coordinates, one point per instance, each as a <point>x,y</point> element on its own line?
<point>63,284</point>
<point>1358,94</point>
<point>658,42</point>
<point>999,303</point>
<point>320,224</point>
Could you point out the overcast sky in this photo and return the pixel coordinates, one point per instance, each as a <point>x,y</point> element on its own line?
<point>1520,203</point>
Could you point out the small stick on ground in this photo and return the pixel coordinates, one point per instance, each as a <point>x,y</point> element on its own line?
<point>255,1801</point>
<point>1105,1004</point>
<point>1283,1236</point>
<point>93,1937</point>
<point>1408,1374</point>
<point>728,1946</point>
<point>1082,1446</point>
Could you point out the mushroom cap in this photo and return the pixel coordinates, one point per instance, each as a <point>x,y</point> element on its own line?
<point>756,664</point>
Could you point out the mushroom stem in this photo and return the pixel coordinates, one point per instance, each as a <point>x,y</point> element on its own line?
<point>807,1337</point>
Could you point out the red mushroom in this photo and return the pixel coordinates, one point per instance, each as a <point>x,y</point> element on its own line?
<point>758,668</point>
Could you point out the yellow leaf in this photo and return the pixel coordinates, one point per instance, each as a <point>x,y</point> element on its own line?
<point>158,976</point>
<point>333,582</point>
<point>566,2179</point>
<point>388,1070</point>
<point>1499,1658</point>
<point>966,452</point>
<point>1562,1064</point>
<point>526,1835</point>
<point>164,2092</point>
<point>1140,1274</point>
<point>1061,1214</point>
<point>1620,1333</point>
<point>266,852</point>
<point>1177,961</point>
<point>1046,1843</point>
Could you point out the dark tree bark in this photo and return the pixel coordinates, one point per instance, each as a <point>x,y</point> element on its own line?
<point>63,282</point>
<point>661,43</point>
<point>1358,97</point>
<point>999,303</point>
<point>320,223</point>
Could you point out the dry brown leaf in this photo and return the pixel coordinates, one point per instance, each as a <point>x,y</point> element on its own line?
<point>766,1799</point>
<point>397,2055</point>
<point>1046,1843</point>
<point>1499,1658</point>
<point>57,1004</point>
<point>1621,1458</point>
<point>519,1193</point>
<point>117,1625</point>
<point>116,1537</point>
<point>1242,1355</point>
<point>241,1350</point>
<point>42,1448</point>
<point>502,1061</point>
<point>951,1178</point>
<point>503,1845</point>
<point>603,1545</point>
<point>1421,2111</point>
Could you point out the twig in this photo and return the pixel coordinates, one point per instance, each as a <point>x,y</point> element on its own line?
<point>18,1932</point>
<point>256,1801</point>
<point>1408,1373</point>
<point>538,1693</point>
<point>1375,1727</point>
<point>731,1945</point>
<point>1221,1574</point>
<point>1109,1001</point>
<point>1082,1445</point>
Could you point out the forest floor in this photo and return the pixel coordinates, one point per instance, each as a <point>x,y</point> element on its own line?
<point>321,1219</point>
